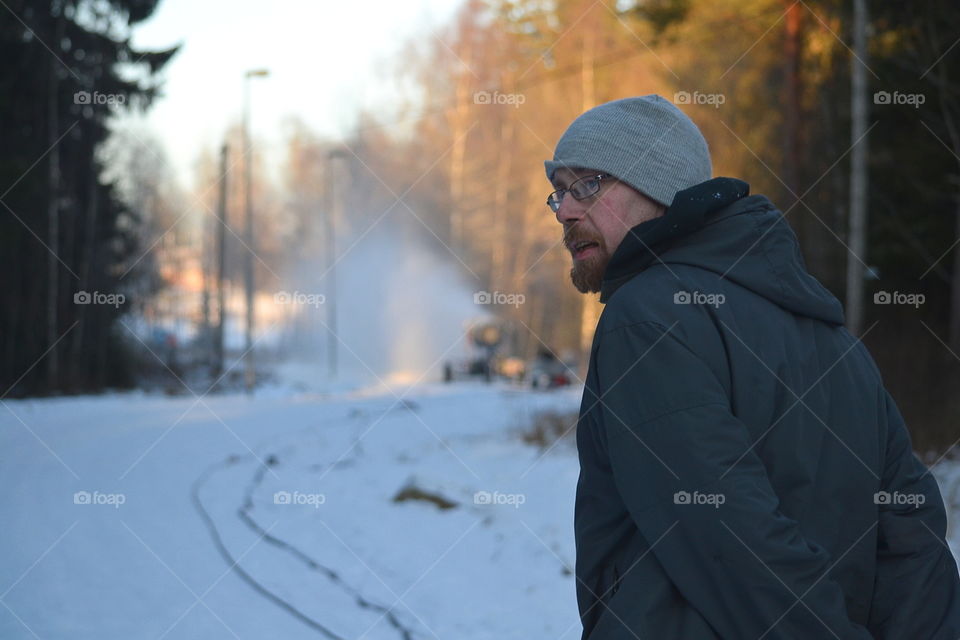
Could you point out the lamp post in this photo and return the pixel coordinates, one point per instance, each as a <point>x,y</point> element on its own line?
<point>333,204</point>
<point>249,375</point>
<point>221,241</point>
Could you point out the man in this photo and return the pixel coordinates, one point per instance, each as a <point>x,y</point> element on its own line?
<point>744,473</point>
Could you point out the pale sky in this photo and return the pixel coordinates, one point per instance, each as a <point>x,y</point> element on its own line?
<point>323,59</point>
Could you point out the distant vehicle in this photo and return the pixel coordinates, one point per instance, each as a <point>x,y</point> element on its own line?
<point>546,371</point>
<point>485,340</point>
<point>484,337</point>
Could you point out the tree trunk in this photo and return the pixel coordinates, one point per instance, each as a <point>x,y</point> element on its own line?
<point>501,204</point>
<point>948,109</point>
<point>86,258</point>
<point>791,101</point>
<point>457,154</point>
<point>858,170</point>
<point>590,311</point>
<point>53,216</point>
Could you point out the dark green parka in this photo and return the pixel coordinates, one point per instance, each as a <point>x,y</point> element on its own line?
<point>744,473</point>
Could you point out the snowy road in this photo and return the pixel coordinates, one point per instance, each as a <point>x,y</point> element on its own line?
<point>123,515</point>
<point>136,516</point>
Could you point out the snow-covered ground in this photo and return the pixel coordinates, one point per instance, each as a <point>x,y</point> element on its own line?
<point>140,516</point>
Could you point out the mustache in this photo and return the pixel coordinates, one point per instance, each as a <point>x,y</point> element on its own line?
<point>577,235</point>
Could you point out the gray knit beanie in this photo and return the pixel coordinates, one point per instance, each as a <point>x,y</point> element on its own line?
<point>644,141</point>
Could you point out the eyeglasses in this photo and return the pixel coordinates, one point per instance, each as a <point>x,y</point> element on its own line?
<point>579,189</point>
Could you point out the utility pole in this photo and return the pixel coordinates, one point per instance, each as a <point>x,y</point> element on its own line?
<point>249,372</point>
<point>858,169</point>
<point>221,238</point>
<point>333,207</point>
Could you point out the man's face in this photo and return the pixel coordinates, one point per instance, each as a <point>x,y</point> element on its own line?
<point>601,220</point>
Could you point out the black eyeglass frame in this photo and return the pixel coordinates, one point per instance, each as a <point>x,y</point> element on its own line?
<point>591,183</point>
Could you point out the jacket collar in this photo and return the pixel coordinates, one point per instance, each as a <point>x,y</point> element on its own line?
<point>687,213</point>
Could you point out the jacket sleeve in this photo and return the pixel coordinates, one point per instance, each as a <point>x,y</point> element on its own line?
<point>916,590</point>
<point>692,481</point>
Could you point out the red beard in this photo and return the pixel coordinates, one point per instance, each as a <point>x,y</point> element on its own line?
<point>587,271</point>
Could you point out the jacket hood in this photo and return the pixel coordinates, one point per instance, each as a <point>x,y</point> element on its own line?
<point>717,226</point>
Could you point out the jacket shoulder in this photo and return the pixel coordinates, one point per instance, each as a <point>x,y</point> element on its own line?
<point>656,295</point>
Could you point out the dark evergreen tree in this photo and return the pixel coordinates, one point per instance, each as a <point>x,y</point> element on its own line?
<point>68,66</point>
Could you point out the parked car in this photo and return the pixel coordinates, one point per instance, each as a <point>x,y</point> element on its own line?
<point>547,371</point>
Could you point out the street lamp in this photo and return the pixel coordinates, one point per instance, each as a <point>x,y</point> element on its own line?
<point>249,376</point>
<point>333,204</point>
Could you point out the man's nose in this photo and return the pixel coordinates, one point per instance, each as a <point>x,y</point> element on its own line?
<point>569,212</point>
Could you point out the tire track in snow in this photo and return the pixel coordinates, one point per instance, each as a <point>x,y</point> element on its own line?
<point>262,534</point>
<point>235,563</point>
